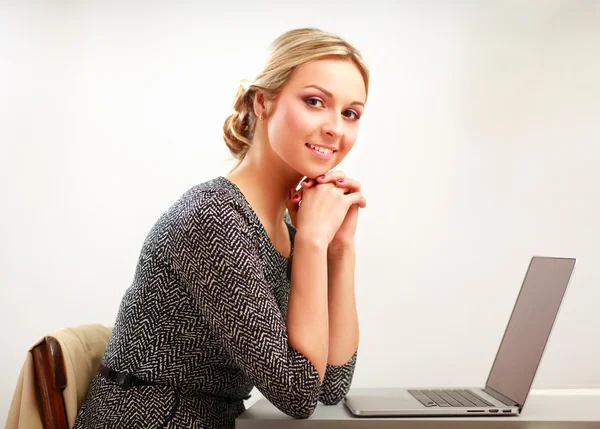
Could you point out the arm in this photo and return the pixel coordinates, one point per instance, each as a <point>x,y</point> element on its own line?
<point>343,324</point>
<point>342,315</point>
<point>343,318</point>
<point>307,320</point>
<point>216,257</point>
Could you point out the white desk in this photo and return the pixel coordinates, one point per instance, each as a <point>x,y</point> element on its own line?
<point>544,409</point>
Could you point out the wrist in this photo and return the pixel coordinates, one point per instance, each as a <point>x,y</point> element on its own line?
<point>340,248</point>
<point>310,241</point>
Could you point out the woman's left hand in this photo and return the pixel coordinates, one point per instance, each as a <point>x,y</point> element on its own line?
<point>344,237</point>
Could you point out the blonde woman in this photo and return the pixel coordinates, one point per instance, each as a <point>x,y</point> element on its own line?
<point>248,279</point>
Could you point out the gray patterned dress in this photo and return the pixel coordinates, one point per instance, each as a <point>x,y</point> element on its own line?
<point>204,321</point>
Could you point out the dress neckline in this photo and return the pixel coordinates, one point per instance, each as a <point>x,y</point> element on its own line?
<point>229,184</point>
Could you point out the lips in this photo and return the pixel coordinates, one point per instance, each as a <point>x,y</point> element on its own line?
<point>327,150</point>
<point>321,152</point>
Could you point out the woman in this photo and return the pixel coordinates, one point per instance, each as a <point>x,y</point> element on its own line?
<point>217,306</point>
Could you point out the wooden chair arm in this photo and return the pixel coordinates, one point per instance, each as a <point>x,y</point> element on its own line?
<point>51,379</point>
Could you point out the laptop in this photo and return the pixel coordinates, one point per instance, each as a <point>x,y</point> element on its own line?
<point>514,367</point>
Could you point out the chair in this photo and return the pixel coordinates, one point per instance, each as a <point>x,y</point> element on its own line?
<point>50,381</point>
<point>56,376</point>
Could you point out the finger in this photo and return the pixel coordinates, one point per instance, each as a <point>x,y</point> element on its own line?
<point>332,176</point>
<point>351,185</point>
<point>308,183</point>
<point>357,198</point>
<point>293,204</point>
<point>295,191</point>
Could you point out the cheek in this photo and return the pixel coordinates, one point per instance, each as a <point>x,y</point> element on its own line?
<point>350,138</point>
<point>298,120</point>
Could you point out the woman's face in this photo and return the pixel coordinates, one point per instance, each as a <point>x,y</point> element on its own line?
<point>313,123</point>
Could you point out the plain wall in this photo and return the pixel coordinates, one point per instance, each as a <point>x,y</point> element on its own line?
<point>479,148</point>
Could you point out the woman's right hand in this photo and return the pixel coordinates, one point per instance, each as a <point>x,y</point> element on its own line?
<point>322,210</point>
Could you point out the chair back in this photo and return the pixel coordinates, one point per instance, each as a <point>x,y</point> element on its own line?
<point>50,380</point>
<point>65,363</point>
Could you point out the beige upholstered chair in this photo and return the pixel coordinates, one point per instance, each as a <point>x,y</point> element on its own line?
<point>56,376</point>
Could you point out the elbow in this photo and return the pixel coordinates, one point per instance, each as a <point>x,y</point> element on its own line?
<point>299,403</point>
<point>333,399</point>
<point>333,396</point>
<point>302,411</point>
<point>297,393</point>
<point>296,409</point>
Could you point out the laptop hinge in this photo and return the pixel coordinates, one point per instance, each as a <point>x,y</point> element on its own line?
<point>499,396</point>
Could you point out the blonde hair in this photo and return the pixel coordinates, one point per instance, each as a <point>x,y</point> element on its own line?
<point>288,51</point>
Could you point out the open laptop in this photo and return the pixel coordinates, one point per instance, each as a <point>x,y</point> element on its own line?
<point>514,368</point>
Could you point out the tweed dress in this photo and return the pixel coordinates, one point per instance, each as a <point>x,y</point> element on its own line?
<point>204,321</point>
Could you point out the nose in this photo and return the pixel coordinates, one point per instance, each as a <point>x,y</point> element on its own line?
<point>333,127</point>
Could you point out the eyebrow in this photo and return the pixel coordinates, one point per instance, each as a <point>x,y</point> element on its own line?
<point>330,95</point>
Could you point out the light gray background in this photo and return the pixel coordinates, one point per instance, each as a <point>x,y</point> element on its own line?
<point>479,148</point>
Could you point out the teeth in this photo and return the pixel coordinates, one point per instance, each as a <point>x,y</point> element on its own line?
<point>320,149</point>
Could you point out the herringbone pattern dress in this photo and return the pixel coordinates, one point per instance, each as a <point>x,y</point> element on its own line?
<point>205,320</point>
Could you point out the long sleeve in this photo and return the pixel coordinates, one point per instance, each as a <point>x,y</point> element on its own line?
<point>218,260</point>
<point>337,381</point>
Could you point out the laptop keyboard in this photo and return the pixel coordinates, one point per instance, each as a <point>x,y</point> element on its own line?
<point>449,398</point>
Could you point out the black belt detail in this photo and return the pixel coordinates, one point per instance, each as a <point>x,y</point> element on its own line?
<point>125,381</point>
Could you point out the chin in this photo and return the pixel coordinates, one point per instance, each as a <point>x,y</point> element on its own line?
<point>313,169</point>
<point>313,172</point>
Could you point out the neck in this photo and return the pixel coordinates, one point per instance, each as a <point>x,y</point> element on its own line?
<point>265,180</point>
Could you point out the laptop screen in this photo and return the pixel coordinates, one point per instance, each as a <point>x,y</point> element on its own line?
<point>529,327</point>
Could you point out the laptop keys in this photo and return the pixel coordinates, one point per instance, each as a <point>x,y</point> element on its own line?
<point>449,398</point>
<point>477,400</point>
<point>436,398</point>
<point>422,398</point>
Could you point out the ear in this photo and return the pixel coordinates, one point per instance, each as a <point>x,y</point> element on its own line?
<point>260,104</point>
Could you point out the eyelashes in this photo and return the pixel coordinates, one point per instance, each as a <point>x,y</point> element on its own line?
<point>355,117</point>
<point>310,100</point>
<point>314,101</point>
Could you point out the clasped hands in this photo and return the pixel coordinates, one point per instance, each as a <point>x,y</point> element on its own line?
<point>328,204</point>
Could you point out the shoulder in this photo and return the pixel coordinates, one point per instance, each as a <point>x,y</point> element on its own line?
<point>213,204</point>
<point>211,210</point>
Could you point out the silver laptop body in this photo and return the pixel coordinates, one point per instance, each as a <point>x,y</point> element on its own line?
<point>514,367</point>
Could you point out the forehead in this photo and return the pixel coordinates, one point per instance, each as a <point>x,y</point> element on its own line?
<point>339,76</point>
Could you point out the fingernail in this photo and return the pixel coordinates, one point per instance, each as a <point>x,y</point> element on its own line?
<point>306,180</point>
<point>340,180</point>
<point>322,177</point>
<point>295,197</point>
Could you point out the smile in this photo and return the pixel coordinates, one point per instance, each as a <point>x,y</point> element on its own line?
<point>320,149</point>
<point>320,152</point>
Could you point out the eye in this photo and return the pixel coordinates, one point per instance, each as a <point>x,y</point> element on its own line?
<point>353,115</point>
<point>313,101</point>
